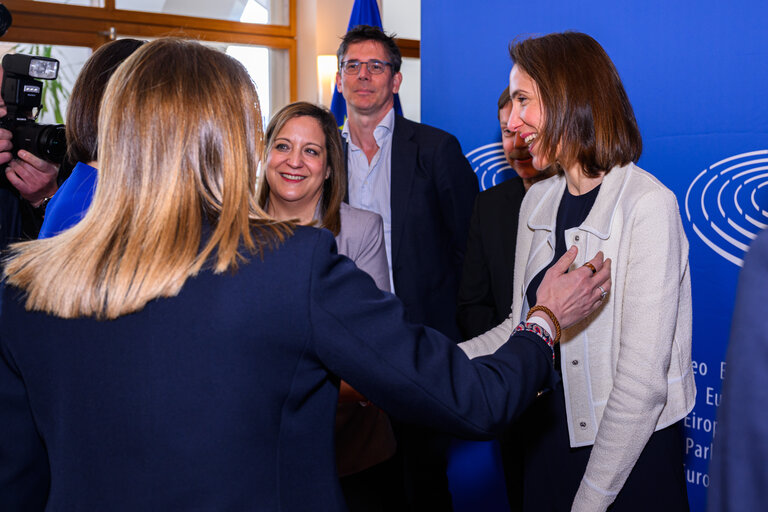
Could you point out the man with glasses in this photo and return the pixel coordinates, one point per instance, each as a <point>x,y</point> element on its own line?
<point>417,178</point>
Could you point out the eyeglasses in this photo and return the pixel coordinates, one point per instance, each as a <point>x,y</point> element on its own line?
<point>375,67</point>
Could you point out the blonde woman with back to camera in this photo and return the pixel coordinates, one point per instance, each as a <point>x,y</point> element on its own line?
<point>180,349</point>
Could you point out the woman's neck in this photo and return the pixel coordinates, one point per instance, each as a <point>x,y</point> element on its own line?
<point>304,211</point>
<point>579,183</point>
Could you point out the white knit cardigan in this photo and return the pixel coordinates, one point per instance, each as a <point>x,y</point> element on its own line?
<point>627,367</point>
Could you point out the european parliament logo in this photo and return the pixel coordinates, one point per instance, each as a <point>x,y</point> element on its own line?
<point>727,204</point>
<point>490,165</point>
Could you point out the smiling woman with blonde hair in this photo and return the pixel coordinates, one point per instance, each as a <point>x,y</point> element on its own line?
<point>304,178</point>
<point>179,349</point>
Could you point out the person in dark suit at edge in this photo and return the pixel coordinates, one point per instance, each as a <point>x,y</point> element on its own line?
<point>417,178</point>
<point>740,446</point>
<point>485,292</point>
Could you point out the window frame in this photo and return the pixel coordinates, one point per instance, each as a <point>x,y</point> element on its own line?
<point>92,26</point>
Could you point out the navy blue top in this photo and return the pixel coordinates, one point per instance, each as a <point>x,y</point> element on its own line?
<point>571,213</point>
<point>223,397</point>
<point>68,205</point>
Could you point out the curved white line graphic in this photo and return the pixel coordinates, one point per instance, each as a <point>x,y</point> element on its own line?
<point>493,144</point>
<point>724,202</point>
<point>489,163</point>
<point>688,193</point>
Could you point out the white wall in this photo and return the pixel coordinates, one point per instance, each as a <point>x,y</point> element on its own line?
<point>402,17</point>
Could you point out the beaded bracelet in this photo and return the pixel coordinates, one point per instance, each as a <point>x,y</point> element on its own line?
<point>539,331</point>
<point>550,314</point>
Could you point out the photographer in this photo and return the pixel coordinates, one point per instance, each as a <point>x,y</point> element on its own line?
<point>27,183</point>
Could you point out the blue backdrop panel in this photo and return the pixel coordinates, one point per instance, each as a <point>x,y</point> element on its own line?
<point>695,73</point>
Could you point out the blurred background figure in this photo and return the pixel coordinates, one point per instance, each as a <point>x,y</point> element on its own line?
<point>738,468</point>
<point>304,179</point>
<point>485,291</point>
<point>612,428</point>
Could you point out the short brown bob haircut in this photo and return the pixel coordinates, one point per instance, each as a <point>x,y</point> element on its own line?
<point>588,119</point>
<point>335,187</point>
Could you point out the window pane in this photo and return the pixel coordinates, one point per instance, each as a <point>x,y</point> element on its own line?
<point>268,69</point>
<point>55,92</point>
<point>272,12</point>
<point>86,3</point>
<point>410,89</point>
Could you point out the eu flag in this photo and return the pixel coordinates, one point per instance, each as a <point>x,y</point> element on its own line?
<point>364,12</point>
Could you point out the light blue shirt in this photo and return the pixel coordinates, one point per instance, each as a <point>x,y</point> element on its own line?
<point>369,185</point>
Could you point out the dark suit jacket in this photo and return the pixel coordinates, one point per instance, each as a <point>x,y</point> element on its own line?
<point>18,219</point>
<point>10,218</point>
<point>485,294</point>
<point>738,467</point>
<point>433,188</point>
<point>223,397</point>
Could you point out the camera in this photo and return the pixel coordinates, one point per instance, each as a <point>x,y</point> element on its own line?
<point>22,95</point>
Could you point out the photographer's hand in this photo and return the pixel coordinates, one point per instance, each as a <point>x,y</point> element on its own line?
<point>5,144</point>
<point>33,177</point>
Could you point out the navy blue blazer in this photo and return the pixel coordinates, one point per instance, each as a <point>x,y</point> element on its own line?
<point>223,397</point>
<point>738,467</point>
<point>433,189</point>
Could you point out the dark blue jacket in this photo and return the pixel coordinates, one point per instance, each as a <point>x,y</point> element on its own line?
<point>739,478</point>
<point>223,397</point>
<point>433,189</point>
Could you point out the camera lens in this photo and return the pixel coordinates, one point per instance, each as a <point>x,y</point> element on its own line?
<point>52,142</point>
<point>47,141</point>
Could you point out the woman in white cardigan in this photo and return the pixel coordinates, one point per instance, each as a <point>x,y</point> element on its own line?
<point>611,431</point>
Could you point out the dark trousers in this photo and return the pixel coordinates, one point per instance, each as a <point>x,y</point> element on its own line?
<point>376,489</point>
<point>553,470</point>
<point>424,456</point>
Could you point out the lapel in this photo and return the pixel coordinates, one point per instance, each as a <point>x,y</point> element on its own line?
<point>542,222</point>
<point>507,218</point>
<point>600,218</point>
<point>345,149</point>
<point>403,168</point>
<point>597,223</point>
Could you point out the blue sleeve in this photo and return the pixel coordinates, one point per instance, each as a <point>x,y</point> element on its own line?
<point>70,203</point>
<point>738,470</point>
<point>415,373</point>
<point>24,472</point>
